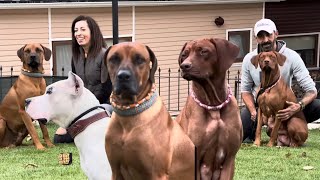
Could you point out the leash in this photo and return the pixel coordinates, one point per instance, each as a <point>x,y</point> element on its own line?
<point>84,113</point>
<point>262,90</point>
<point>77,127</point>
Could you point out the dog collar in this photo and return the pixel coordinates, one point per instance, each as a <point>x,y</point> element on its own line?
<point>80,126</point>
<point>267,89</point>
<point>214,108</point>
<point>32,74</point>
<point>137,108</point>
<point>77,127</point>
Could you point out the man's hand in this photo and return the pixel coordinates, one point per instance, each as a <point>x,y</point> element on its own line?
<point>253,115</point>
<point>285,114</point>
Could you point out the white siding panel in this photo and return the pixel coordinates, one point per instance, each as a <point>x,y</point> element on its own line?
<point>62,20</point>
<point>166,29</point>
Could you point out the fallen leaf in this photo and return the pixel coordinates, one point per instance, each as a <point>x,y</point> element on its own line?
<point>307,168</point>
<point>31,165</point>
<point>304,154</point>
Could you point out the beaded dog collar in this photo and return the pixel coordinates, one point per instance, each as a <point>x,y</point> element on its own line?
<point>214,108</point>
<point>136,108</point>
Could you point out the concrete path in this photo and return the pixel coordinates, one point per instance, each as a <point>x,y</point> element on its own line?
<point>314,125</point>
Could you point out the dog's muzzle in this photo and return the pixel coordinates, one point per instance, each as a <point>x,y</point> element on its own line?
<point>185,71</point>
<point>125,83</point>
<point>34,61</point>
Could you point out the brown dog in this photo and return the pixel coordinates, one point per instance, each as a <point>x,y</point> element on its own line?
<point>15,123</point>
<point>211,115</point>
<point>272,97</point>
<point>142,141</point>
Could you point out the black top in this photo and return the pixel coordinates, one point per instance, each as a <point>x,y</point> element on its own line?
<point>94,74</point>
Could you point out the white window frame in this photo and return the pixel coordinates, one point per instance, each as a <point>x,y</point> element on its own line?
<point>250,39</point>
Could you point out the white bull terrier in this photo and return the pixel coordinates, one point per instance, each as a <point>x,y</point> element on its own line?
<point>70,105</point>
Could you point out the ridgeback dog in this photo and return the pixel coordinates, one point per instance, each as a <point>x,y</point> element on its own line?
<point>271,98</point>
<point>15,123</point>
<point>211,115</point>
<point>142,141</point>
<point>72,106</point>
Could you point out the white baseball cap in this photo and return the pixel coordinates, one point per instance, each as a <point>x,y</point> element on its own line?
<point>264,25</point>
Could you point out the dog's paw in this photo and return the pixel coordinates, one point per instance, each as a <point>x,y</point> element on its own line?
<point>49,144</point>
<point>10,146</point>
<point>257,143</point>
<point>41,147</point>
<point>270,144</point>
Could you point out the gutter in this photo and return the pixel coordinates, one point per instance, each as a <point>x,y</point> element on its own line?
<point>124,3</point>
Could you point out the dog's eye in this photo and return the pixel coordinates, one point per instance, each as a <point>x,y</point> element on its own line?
<point>139,60</point>
<point>184,54</point>
<point>38,50</point>
<point>49,90</point>
<point>115,59</point>
<point>27,51</point>
<point>203,52</point>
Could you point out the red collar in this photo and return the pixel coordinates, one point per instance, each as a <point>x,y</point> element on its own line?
<point>80,126</point>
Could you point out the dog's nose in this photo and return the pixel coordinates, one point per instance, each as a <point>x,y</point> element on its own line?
<point>27,102</point>
<point>185,66</point>
<point>124,75</point>
<point>266,61</point>
<point>33,57</point>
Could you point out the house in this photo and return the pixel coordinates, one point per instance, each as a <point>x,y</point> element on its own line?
<point>298,24</point>
<point>163,25</point>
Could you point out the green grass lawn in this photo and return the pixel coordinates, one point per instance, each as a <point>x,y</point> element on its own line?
<point>279,163</point>
<point>25,162</point>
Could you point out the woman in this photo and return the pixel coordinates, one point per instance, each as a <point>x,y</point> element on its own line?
<point>88,49</point>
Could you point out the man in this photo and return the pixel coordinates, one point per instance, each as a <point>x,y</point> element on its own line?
<point>266,34</point>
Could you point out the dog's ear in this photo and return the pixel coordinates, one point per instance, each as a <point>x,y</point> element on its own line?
<point>227,52</point>
<point>104,67</point>
<point>255,60</point>
<point>280,58</point>
<point>76,84</point>
<point>106,55</point>
<point>20,52</point>
<point>154,61</point>
<point>47,52</point>
<point>180,60</point>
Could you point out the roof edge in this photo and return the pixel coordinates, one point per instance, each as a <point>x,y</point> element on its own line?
<point>124,3</point>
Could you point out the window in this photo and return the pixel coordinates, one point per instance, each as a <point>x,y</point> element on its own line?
<point>241,38</point>
<point>62,53</point>
<point>306,46</point>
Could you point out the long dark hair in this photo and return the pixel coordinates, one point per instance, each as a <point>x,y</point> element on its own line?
<point>96,42</point>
